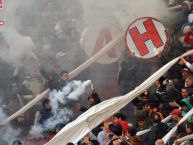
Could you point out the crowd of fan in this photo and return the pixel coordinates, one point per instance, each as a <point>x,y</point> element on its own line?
<point>171,95</point>
<point>52,27</point>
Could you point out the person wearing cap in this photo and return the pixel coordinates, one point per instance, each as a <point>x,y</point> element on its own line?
<point>188,37</point>
<point>186,6</point>
<point>176,115</point>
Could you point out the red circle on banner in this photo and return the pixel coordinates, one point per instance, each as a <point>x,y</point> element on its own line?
<point>146,37</point>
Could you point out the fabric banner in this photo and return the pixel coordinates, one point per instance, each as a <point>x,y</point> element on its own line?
<point>72,74</point>
<point>173,130</point>
<point>25,108</point>
<point>165,120</point>
<point>77,129</point>
<point>185,138</point>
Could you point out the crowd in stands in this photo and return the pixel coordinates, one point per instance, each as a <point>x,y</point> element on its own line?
<point>172,94</point>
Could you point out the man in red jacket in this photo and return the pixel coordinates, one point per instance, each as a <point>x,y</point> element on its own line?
<point>119,118</point>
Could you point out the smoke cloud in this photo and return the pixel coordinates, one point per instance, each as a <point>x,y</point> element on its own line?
<point>122,12</point>
<point>7,133</point>
<point>23,23</point>
<point>62,114</point>
<point>41,34</point>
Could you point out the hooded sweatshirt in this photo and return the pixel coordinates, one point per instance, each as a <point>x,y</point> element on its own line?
<point>189,107</point>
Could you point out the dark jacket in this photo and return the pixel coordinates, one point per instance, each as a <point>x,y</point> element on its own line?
<point>157,131</point>
<point>45,114</point>
<point>145,136</point>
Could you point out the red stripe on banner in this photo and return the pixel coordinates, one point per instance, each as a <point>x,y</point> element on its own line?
<point>1,4</point>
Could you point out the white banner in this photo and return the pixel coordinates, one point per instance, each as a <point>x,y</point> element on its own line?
<point>77,129</point>
<point>185,138</point>
<point>72,74</point>
<point>173,130</point>
<point>25,108</point>
<point>148,130</point>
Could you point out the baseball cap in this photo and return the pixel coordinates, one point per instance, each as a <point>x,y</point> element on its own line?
<point>176,112</point>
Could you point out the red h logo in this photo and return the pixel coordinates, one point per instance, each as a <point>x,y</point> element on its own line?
<point>104,35</point>
<point>1,4</point>
<point>150,34</point>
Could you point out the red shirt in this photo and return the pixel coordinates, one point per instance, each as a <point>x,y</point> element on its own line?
<point>188,39</point>
<point>124,125</point>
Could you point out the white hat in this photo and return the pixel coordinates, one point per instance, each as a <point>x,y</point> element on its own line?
<point>186,29</point>
<point>188,4</point>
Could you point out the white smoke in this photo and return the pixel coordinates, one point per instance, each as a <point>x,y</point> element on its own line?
<point>20,47</point>
<point>122,12</point>
<point>2,114</point>
<point>22,35</point>
<point>18,52</point>
<point>119,13</point>
<point>7,133</point>
<point>36,131</point>
<point>116,12</point>
<point>61,115</point>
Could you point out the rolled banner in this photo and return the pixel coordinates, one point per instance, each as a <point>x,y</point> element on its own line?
<point>173,130</point>
<point>76,130</point>
<point>167,119</point>
<point>71,75</point>
<point>139,133</point>
<point>25,108</point>
<point>188,137</point>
